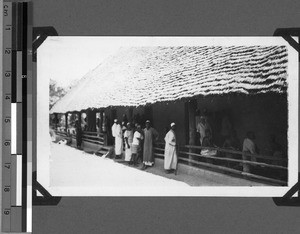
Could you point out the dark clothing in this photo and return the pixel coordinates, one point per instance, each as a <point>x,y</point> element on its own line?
<point>232,143</point>
<point>150,136</point>
<point>78,136</point>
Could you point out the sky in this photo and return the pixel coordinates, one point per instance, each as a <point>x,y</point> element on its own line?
<point>70,58</point>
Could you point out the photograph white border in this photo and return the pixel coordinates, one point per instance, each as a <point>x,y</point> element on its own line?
<point>43,141</point>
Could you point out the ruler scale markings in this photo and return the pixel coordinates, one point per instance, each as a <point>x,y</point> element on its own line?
<point>23,79</point>
<point>19,180</point>
<point>13,180</point>
<point>13,51</point>
<point>16,168</point>
<point>28,72</point>
<point>6,130</point>
<point>13,128</point>
<point>19,76</point>
<point>13,76</point>
<point>14,110</point>
<point>19,128</point>
<point>20,25</point>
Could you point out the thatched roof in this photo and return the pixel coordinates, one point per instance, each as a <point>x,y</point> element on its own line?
<point>141,75</point>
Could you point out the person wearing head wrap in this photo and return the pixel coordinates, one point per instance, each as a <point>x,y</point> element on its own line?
<point>119,141</point>
<point>170,162</point>
<point>150,136</point>
<point>113,128</point>
<point>249,147</point>
<point>128,138</point>
<point>136,145</point>
<point>202,126</point>
<point>78,134</point>
<point>118,135</point>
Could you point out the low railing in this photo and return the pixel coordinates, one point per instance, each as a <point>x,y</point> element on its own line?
<point>91,137</point>
<point>264,168</point>
<point>94,137</point>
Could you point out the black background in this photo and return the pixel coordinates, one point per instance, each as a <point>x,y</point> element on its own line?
<point>175,18</point>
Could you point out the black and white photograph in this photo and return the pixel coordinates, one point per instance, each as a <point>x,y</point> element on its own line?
<point>167,116</point>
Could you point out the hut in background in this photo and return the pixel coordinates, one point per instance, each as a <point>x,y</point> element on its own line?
<point>172,84</point>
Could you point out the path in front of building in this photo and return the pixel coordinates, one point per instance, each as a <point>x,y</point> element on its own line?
<point>76,171</point>
<point>70,167</point>
<point>198,177</point>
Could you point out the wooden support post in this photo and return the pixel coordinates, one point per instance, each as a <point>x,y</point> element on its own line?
<point>56,120</point>
<point>79,118</point>
<point>192,106</point>
<point>66,116</point>
<point>105,139</point>
<point>91,120</point>
<point>100,122</point>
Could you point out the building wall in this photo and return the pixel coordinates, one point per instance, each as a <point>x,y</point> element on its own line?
<point>263,114</point>
<point>164,114</point>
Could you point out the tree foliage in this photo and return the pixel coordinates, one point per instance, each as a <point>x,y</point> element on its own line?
<point>56,93</point>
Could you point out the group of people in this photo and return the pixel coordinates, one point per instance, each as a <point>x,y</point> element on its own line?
<point>231,141</point>
<point>216,130</point>
<point>138,144</point>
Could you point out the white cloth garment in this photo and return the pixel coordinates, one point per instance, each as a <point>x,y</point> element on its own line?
<point>118,140</point>
<point>137,135</point>
<point>113,130</point>
<point>170,151</point>
<point>248,147</point>
<point>129,135</point>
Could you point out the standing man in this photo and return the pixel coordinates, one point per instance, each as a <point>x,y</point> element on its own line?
<point>113,128</point>
<point>171,157</point>
<point>202,126</point>
<point>78,134</point>
<point>136,145</point>
<point>118,140</point>
<point>249,146</point>
<point>150,136</point>
<point>128,138</point>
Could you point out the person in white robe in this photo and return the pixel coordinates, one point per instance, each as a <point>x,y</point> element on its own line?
<point>202,126</point>
<point>249,147</point>
<point>136,148</point>
<point>128,137</point>
<point>170,162</point>
<point>118,141</point>
<point>113,128</point>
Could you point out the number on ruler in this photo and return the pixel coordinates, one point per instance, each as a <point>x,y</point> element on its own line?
<point>7,74</point>
<point>6,143</point>
<point>7,165</point>
<point>7,97</point>
<point>6,211</point>
<point>7,51</point>
<point>7,27</point>
<point>5,10</point>
<point>6,189</point>
<point>7,120</point>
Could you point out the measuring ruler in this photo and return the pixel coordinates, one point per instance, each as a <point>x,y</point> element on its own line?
<point>16,168</point>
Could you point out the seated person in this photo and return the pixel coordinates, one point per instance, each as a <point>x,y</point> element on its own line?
<point>249,146</point>
<point>68,138</point>
<point>208,142</point>
<point>276,151</point>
